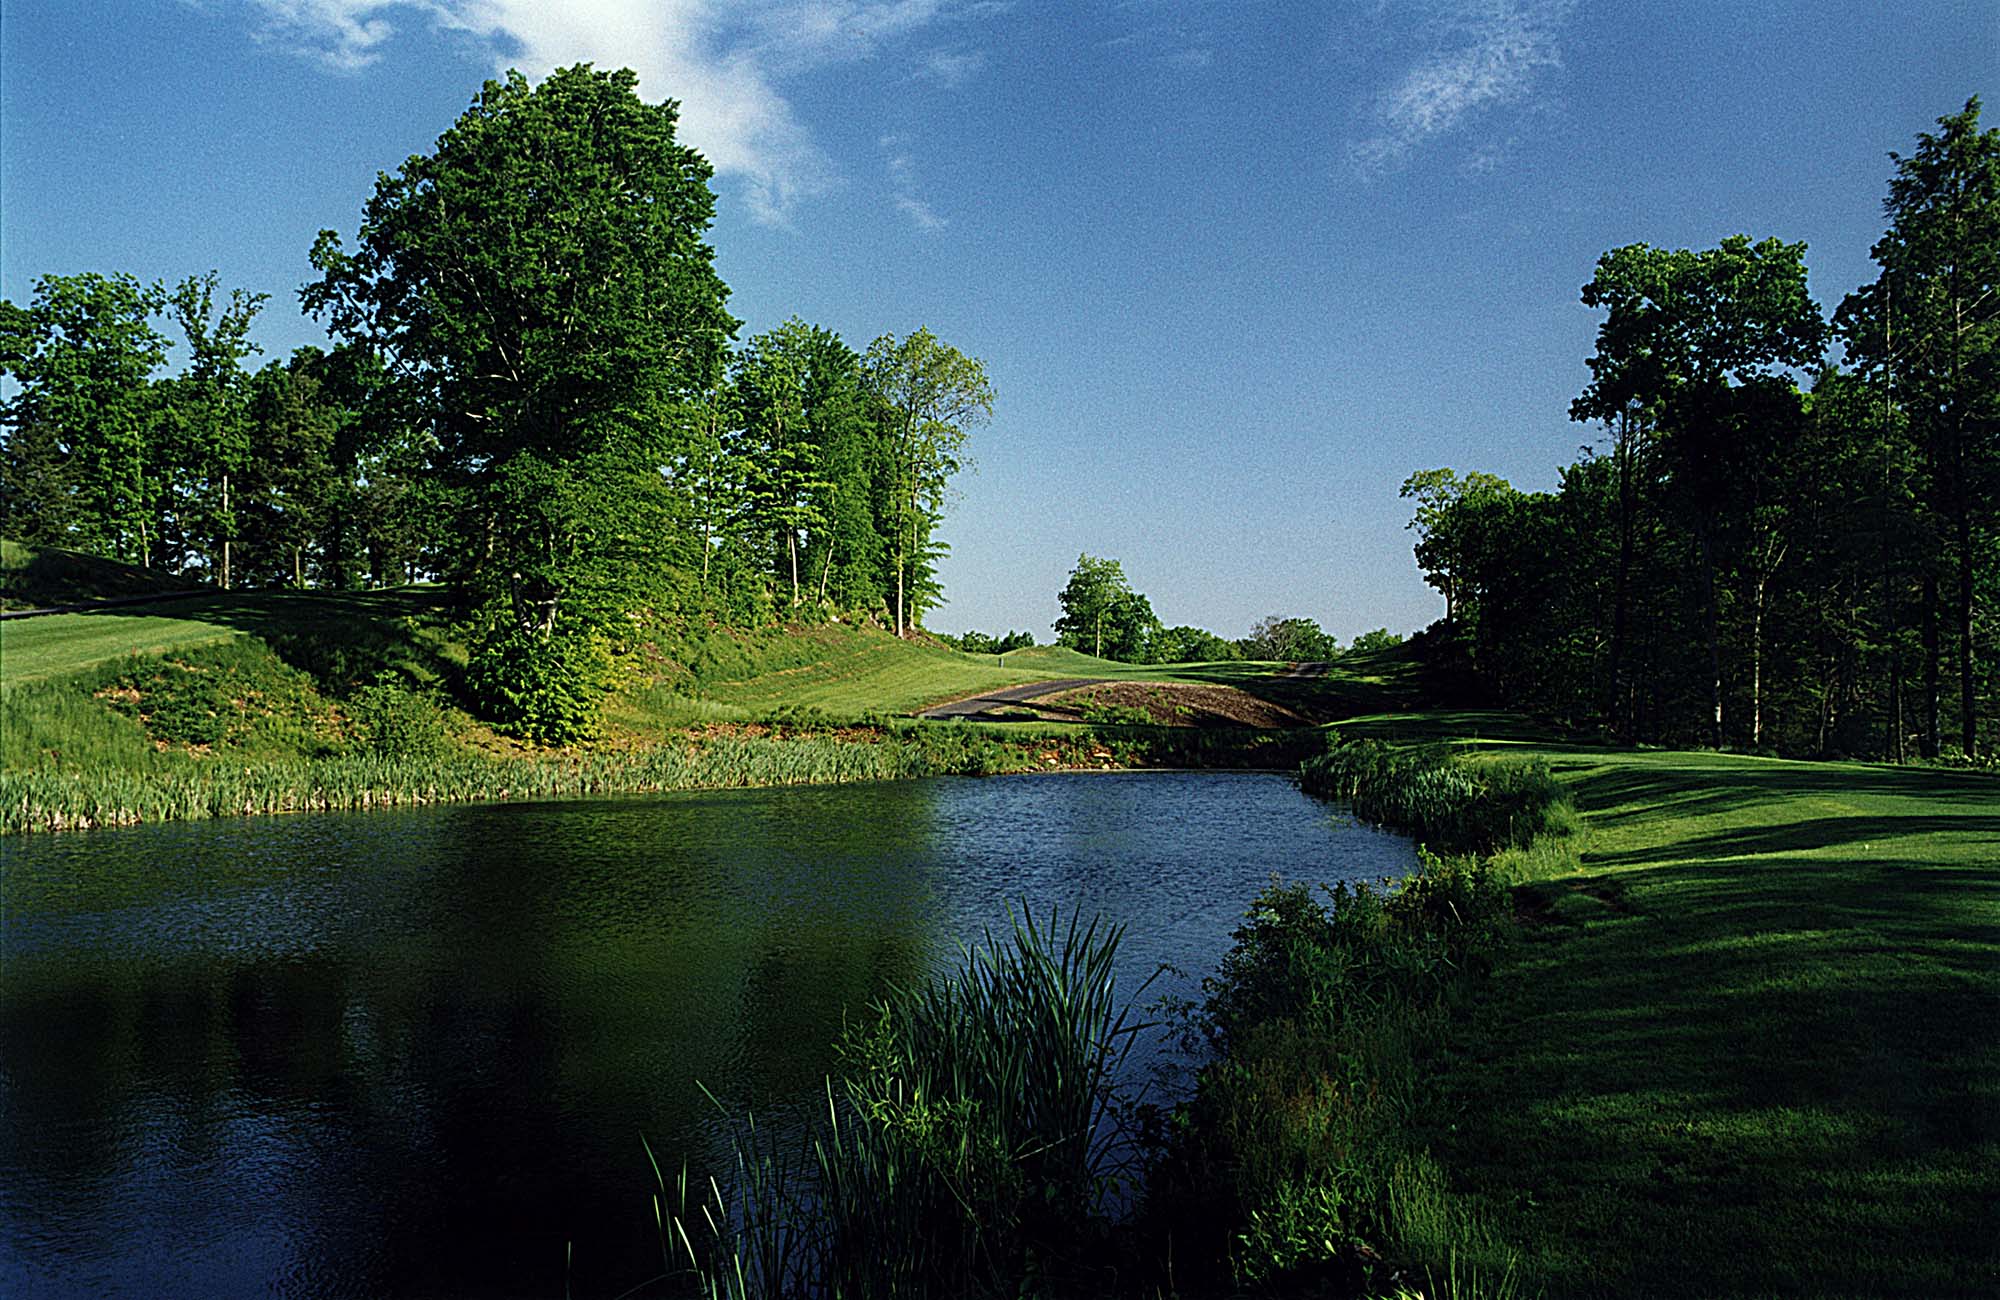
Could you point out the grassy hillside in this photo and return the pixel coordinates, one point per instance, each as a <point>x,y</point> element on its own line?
<point>232,702</point>
<point>39,576</point>
<point>1754,1049</point>
<point>339,636</point>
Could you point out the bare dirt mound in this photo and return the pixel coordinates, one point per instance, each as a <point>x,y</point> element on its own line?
<point>1172,704</point>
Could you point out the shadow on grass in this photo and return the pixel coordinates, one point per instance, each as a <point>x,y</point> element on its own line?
<point>1755,1067</point>
<point>1698,783</point>
<point>1441,725</point>
<point>341,638</point>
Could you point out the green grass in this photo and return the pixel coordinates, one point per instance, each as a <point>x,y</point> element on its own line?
<point>1753,1048</point>
<point>849,672</point>
<point>364,625</point>
<point>234,702</point>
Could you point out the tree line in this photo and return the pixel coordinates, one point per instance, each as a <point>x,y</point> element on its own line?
<point>532,391</point>
<point>1743,559</point>
<point>1102,615</point>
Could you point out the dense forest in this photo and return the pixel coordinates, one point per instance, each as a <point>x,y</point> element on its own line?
<point>532,391</point>
<point>1745,559</point>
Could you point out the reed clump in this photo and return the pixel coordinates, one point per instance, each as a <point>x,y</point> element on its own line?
<point>969,1146</point>
<point>71,797</point>
<point>1449,802</point>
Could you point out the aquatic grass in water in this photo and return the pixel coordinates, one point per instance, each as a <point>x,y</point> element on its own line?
<point>971,1144</point>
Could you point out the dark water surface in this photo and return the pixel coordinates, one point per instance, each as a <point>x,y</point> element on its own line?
<point>413,1052</point>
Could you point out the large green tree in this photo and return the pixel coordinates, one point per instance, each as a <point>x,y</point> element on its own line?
<point>1102,615</point>
<point>931,395</point>
<point>1701,342</point>
<point>204,417</point>
<point>82,421</point>
<point>1441,545</point>
<point>540,286</point>
<point>1929,328</point>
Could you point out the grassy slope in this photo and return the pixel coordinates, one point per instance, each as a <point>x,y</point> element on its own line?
<point>54,645</point>
<point>1755,1048</point>
<point>849,672</point>
<point>34,576</point>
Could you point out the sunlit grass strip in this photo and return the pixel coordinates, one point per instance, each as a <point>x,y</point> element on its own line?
<point>968,1147</point>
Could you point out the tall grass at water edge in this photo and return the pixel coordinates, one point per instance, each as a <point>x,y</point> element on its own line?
<point>69,797</point>
<point>1295,1167</point>
<point>969,1146</point>
<point>1450,803</point>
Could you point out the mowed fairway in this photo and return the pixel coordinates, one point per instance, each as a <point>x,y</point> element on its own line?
<point>845,672</point>
<point>54,644</point>
<point>1755,1048</point>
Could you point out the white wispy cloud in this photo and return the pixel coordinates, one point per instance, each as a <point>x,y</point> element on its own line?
<point>902,168</point>
<point>952,68</point>
<point>1172,47</point>
<point>1491,53</point>
<point>724,60</point>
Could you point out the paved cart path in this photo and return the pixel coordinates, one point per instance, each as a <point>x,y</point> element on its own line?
<point>976,705</point>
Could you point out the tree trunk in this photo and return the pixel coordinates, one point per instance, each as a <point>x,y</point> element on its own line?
<point>1968,700</point>
<point>1757,663</point>
<point>792,546</point>
<point>225,534</point>
<point>1933,656</point>
<point>1621,587</point>
<point>826,573</point>
<point>1892,739</point>
<point>1713,616</point>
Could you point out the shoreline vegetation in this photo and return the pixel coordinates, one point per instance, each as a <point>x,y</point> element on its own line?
<point>1635,1000</point>
<point>1644,1023</point>
<point>716,759</point>
<point>246,704</point>
<point>946,1161</point>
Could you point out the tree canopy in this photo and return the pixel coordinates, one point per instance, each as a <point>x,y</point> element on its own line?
<point>1102,615</point>
<point>539,286</point>
<point>1745,560</point>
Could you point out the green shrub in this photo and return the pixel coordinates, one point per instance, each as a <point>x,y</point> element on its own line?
<point>548,689</point>
<point>396,722</point>
<point>1450,803</point>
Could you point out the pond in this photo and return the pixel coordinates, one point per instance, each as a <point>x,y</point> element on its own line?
<point>414,1052</point>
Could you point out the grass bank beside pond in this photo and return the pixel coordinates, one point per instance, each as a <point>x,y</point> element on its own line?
<point>1753,1047</point>
<point>229,703</point>
<point>1739,1037</point>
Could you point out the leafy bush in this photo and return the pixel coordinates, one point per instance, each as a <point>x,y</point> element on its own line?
<point>548,689</point>
<point>1379,639</point>
<point>396,722</point>
<point>985,643</point>
<point>1449,803</point>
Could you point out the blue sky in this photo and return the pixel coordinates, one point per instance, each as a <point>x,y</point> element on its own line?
<point>1236,269</point>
